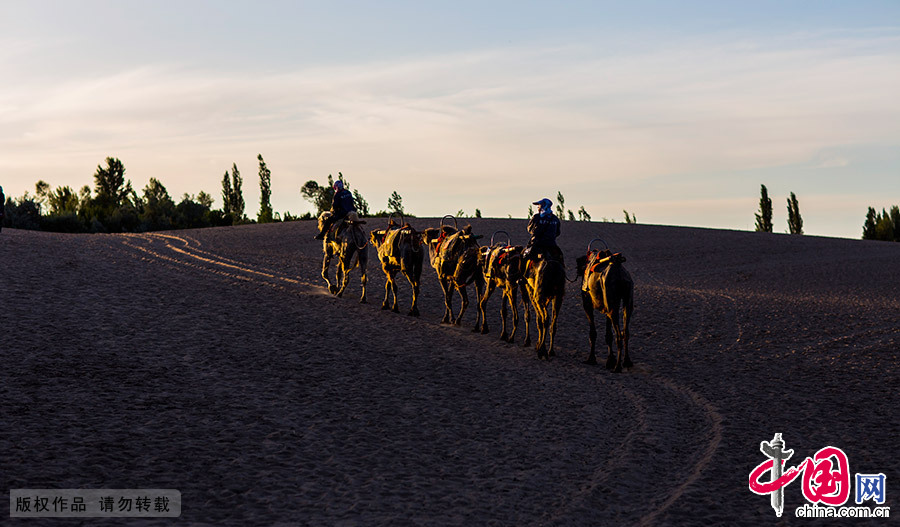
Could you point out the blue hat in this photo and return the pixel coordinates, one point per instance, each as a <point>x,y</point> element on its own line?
<point>338,185</point>
<point>544,203</point>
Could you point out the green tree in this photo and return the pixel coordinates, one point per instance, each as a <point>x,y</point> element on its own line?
<point>531,211</point>
<point>764,218</point>
<point>884,230</point>
<point>795,222</point>
<point>560,205</point>
<point>237,203</point>
<point>265,192</point>
<point>895,222</point>
<point>362,206</point>
<point>159,209</point>
<point>193,214</point>
<point>319,195</point>
<point>395,203</point>
<point>63,200</point>
<point>226,194</point>
<point>110,185</point>
<point>477,213</point>
<point>583,214</point>
<point>869,225</point>
<point>629,218</point>
<point>42,191</point>
<point>205,199</point>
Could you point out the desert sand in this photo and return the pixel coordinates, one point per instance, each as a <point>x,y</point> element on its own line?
<point>214,362</point>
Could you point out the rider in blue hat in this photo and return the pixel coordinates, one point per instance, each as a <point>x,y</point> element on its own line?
<point>341,205</point>
<point>544,228</point>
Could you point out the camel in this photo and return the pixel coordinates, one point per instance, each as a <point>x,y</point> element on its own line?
<point>502,267</point>
<point>454,256</point>
<point>545,281</point>
<point>607,286</point>
<point>400,249</point>
<point>348,242</point>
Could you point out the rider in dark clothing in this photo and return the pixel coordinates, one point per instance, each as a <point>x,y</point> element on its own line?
<point>544,228</point>
<point>341,205</point>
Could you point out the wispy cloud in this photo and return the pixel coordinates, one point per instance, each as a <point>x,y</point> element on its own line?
<point>566,115</point>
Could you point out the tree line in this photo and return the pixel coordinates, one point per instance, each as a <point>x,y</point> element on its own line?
<point>884,225</point>
<point>113,205</point>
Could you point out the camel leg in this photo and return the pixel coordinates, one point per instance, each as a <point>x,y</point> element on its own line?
<point>540,316</point>
<point>362,279</point>
<point>513,304</point>
<point>387,289</point>
<point>588,306</point>
<point>525,297</point>
<point>610,356</point>
<point>345,266</point>
<point>626,314</point>
<point>338,276</point>
<point>464,301</point>
<point>448,301</point>
<point>479,290</point>
<point>620,354</point>
<point>482,303</point>
<point>326,262</point>
<point>414,308</point>
<point>504,298</point>
<point>395,307</point>
<point>557,304</point>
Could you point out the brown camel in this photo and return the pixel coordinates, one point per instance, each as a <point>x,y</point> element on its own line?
<point>545,281</point>
<point>454,256</point>
<point>348,242</point>
<point>400,250</point>
<point>606,287</point>
<point>502,267</point>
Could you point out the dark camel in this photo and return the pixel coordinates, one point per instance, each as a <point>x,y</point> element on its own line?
<point>400,250</point>
<point>347,241</point>
<point>545,281</point>
<point>502,267</point>
<point>607,286</point>
<point>454,256</point>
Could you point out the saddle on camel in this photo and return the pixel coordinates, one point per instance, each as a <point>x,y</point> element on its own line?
<point>346,240</point>
<point>454,256</point>
<point>607,287</point>
<point>399,249</point>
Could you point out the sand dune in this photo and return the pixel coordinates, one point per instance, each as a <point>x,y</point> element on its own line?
<point>214,362</point>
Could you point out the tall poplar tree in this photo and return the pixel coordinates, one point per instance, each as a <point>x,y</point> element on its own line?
<point>237,200</point>
<point>764,218</point>
<point>265,192</point>
<point>795,222</point>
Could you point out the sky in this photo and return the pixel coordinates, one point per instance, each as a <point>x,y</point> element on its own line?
<point>674,111</point>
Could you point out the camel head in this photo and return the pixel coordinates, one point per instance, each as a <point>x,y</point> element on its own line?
<point>581,265</point>
<point>322,217</point>
<point>376,237</point>
<point>431,235</point>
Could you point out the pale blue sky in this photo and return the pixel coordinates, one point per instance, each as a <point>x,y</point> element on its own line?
<point>676,111</point>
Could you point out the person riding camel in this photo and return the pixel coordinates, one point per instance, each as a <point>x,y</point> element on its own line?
<point>544,228</point>
<point>341,205</point>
